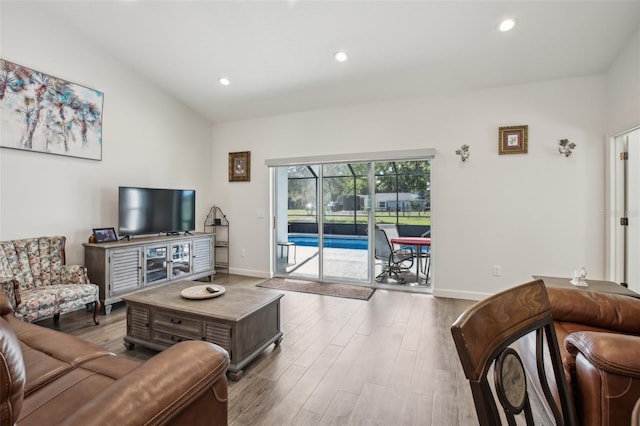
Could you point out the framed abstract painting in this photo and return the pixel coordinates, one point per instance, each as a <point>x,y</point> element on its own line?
<point>42,113</point>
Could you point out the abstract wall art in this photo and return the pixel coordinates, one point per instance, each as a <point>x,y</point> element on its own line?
<point>42,113</point>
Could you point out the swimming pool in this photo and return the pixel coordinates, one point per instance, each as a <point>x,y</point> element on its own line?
<point>335,241</point>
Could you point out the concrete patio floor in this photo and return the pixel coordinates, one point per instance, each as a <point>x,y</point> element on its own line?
<point>344,265</point>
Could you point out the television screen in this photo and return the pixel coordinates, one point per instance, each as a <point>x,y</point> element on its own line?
<point>151,211</point>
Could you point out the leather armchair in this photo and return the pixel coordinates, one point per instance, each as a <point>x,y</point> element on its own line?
<point>599,339</point>
<point>607,371</point>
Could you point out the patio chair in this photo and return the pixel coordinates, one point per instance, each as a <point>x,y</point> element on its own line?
<point>391,230</point>
<point>423,256</point>
<point>394,261</point>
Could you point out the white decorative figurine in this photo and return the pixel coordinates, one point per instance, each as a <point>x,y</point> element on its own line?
<point>579,277</point>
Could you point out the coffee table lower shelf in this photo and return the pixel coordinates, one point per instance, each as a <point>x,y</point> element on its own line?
<point>243,321</point>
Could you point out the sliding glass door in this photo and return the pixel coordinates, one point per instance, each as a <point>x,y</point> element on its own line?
<point>325,214</point>
<point>322,217</point>
<point>296,221</point>
<point>345,219</point>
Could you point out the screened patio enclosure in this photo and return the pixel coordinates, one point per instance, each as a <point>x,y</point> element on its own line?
<point>326,213</point>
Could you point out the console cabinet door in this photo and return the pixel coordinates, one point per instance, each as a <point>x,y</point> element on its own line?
<point>180,259</point>
<point>125,270</point>
<point>203,254</point>
<point>156,263</point>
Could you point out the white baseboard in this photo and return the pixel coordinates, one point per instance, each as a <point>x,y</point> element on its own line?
<point>457,294</point>
<point>249,273</point>
<point>451,294</point>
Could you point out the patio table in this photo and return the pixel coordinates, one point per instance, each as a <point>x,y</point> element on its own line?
<point>418,243</point>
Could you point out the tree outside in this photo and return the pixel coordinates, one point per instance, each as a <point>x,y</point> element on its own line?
<point>402,193</point>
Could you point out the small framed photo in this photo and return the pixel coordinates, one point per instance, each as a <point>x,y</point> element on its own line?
<point>513,140</point>
<point>105,235</point>
<point>240,166</point>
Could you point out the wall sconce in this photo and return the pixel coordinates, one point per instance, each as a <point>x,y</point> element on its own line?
<point>566,147</point>
<point>463,152</point>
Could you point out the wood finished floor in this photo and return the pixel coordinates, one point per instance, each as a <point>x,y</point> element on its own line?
<point>388,361</point>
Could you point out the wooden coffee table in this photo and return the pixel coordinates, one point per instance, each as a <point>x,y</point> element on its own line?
<point>243,321</point>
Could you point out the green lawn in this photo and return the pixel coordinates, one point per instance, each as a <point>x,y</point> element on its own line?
<point>407,218</point>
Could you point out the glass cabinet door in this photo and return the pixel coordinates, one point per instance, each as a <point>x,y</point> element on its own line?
<point>180,259</point>
<point>156,264</point>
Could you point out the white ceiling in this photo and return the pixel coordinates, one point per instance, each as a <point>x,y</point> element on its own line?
<point>279,54</point>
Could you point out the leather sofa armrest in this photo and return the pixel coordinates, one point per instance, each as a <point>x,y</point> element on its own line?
<point>74,274</point>
<point>610,352</point>
<point>160,388</point>
<point>610,311</point>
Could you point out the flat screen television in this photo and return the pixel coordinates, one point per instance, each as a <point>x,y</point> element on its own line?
<point>154,211</point>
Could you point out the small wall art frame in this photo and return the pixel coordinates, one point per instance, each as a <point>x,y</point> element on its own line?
<point>42,113</point>
<point>240,166</point>
<point>513,140</point>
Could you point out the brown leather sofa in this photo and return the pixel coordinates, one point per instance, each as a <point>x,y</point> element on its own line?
<point>51,378</point>
<point>599,339</point>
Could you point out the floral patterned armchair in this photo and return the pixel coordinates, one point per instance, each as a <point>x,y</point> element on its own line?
<point>39,284</point>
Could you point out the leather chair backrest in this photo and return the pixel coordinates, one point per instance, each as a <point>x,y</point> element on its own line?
<point>611,311</point>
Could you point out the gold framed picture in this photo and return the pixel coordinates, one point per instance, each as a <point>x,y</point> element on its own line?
<point>513,140</point>
<point>240,166</point>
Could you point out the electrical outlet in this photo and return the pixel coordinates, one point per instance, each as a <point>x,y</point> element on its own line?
<point>497,270</point>
<point>243,252</point>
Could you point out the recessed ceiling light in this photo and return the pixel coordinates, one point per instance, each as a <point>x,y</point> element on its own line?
<point>341,56</point>
<point>507,24</point>
<point>224,81</point>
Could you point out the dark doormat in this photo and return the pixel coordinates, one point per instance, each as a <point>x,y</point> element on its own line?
<point>325,289</point>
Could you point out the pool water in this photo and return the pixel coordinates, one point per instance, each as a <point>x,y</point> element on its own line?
<point>349,242</point>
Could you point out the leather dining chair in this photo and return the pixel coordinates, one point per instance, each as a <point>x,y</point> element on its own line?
<point>483,336</point>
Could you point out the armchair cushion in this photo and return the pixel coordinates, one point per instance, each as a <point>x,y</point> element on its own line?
<point>43,302</point>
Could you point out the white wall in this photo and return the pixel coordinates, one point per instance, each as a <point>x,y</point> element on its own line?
<point>149,139</point>
<point>539,213</point>
<point>623,89</point>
